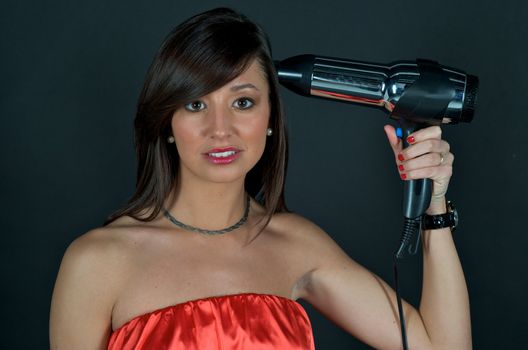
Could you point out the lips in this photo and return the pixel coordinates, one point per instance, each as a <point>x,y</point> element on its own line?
<point>224,155</point>
<point>225,149</point>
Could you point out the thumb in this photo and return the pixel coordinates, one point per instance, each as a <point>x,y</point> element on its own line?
<point>394,141</point>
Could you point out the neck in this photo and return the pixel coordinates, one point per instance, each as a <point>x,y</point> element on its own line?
<point>208,205</point>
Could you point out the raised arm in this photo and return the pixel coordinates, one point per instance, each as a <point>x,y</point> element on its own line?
<point>444,306</point>
<point>363,304</point>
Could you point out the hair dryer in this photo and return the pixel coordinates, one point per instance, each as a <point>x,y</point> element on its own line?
<point>416,93</point>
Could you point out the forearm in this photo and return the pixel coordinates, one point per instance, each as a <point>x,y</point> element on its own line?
<point>444,306</point>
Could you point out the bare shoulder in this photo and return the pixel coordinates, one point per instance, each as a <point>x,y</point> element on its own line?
<point>302,230</point>
<point>107,251</point>
<point>102,248</point>
<point>90,276</point>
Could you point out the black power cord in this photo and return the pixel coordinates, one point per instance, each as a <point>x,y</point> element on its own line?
<point>411,227</point>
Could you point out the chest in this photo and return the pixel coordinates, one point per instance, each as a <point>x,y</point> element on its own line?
<point>169,273</point>
<point>185,270</point>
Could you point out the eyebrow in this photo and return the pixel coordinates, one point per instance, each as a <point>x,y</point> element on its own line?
<point>244,86</point>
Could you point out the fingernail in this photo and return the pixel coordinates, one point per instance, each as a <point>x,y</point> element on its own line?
<point>400,167</point>
<point>410,139</point>
<point>399,132</point>
<point>400,157</point>
<point>403,176</point>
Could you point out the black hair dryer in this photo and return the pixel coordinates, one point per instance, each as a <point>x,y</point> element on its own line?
<point>417,93</point>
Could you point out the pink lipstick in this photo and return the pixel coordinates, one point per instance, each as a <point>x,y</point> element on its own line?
<point>222,155</point>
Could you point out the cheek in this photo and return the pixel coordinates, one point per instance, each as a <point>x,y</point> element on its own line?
<point>185,138</point>
<point>257,132</point>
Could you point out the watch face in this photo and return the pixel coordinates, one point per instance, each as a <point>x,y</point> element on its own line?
<point>455,218</point>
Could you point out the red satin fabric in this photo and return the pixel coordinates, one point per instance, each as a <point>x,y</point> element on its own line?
<point>239,321</point>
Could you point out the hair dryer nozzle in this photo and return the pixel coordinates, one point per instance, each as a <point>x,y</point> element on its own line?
<point>295,73</point>
<point>470,98</point>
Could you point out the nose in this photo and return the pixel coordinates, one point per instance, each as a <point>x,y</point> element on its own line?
<point>220,123</point>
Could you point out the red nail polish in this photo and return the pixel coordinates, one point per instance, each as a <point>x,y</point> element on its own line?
<point>410,139</point>
<point>400,167</point>
<point>400,157</point>
<point>403,176</point>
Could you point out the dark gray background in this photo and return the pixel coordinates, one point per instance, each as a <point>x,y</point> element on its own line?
<point>70,76</point>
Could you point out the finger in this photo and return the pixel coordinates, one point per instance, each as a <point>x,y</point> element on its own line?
<point>423,147</point>
<point>394,141</point>
<point>433,173</point>
<point>426,161</point>
<point>431,132</point>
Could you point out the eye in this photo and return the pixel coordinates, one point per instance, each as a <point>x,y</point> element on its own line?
<point>244,103</point>
<point>194,106</point>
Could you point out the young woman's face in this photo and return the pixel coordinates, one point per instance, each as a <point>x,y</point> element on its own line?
<point>222,135</point>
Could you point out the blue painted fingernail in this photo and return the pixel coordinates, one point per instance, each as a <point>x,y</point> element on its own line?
<point>399,132</point>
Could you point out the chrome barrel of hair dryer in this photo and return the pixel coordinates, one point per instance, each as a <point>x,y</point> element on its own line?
<point>416,93</point>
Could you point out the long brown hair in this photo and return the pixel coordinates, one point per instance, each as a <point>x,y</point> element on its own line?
<point>199,56</point>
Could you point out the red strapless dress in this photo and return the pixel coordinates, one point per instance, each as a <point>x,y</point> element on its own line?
<point>239,321</point>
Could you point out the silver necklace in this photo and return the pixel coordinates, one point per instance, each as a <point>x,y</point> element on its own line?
<point>240,222</point>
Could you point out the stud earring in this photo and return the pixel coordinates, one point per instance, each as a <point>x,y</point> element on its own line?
<point>269,132</point>
<point>170,139</point>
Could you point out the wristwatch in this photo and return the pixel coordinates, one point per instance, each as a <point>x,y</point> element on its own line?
<point>449,219</point>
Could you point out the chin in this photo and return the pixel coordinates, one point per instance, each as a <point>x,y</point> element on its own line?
<point>220,173</point>
<point>225,173</point>
<point>225,178</point>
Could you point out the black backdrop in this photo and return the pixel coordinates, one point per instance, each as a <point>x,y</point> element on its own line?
<point>70,76</point>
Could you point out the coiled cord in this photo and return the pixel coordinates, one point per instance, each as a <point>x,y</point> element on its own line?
<point>411,227</point>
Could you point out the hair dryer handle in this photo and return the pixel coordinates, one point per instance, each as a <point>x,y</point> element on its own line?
<point>416,193</point>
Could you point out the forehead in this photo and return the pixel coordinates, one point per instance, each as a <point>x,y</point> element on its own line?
<point>254,74</point>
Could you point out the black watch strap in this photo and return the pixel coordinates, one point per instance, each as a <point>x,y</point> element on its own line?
<point>449,219</point>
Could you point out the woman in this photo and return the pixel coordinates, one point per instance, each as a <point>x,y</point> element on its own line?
<point>194,261</point>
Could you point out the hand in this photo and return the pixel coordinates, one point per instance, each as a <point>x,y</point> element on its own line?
<point>427,156</point>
